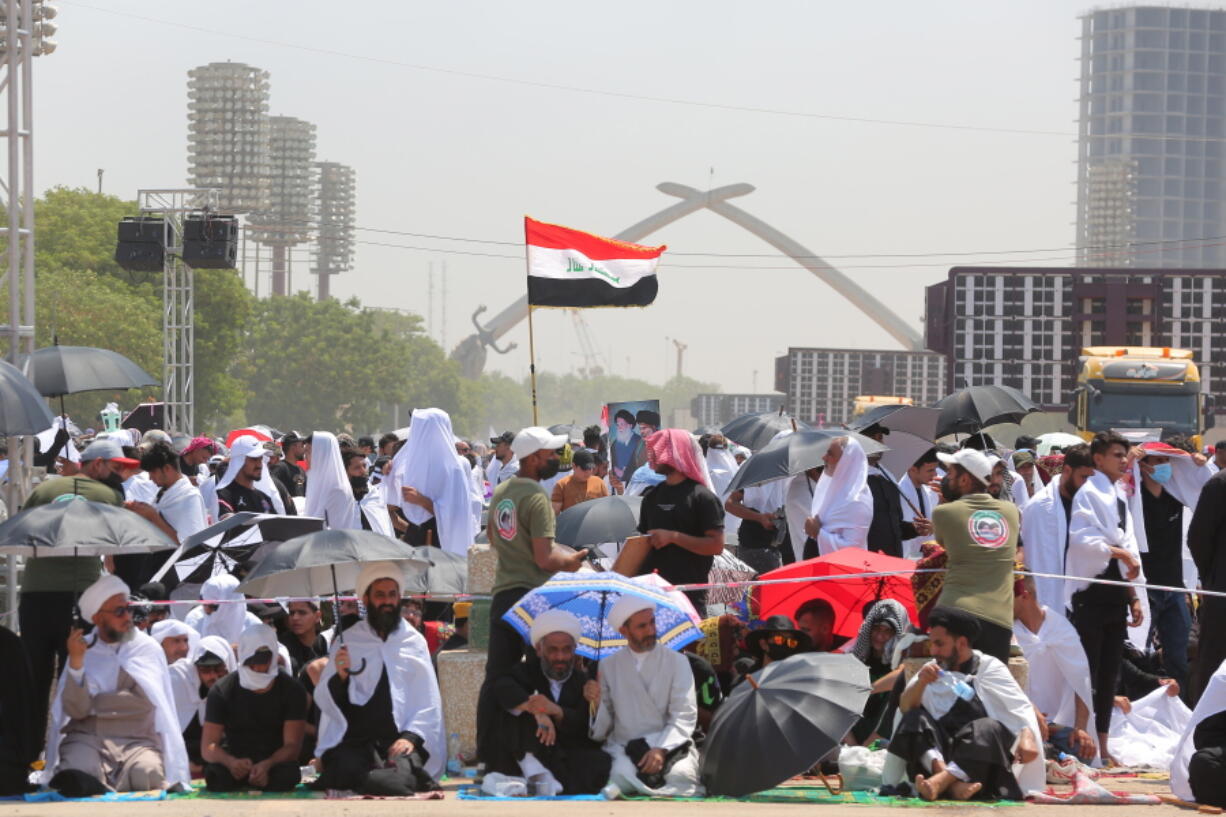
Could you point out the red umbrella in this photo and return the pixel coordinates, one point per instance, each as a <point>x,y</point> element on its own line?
<point>261,433</point>
<point>848,596</point>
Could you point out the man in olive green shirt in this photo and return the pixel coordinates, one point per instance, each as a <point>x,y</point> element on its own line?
<point>979,535</point>
<point>50,585</point>
<point>521,529</point>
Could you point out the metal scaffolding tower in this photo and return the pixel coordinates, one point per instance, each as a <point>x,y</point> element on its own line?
<point>178,301</point>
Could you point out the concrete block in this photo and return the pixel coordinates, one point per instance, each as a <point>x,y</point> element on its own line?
<point>482,561</point>
<point>460,673</point>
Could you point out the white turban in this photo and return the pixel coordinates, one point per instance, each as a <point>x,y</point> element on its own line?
<point>169,628</point>
<point>626,606</point>
<point>555,621</point>
<point>96,594</point>
<point>375,571</point>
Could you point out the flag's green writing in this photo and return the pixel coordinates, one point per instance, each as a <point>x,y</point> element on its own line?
<point>575,266</point>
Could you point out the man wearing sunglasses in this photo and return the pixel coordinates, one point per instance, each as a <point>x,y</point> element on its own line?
<point>114,722</point>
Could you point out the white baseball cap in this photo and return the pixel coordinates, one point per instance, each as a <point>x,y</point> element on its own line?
<point>975,463</point>
<point>535,438</point>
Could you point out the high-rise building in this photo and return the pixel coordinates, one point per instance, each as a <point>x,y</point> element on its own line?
<point>286,221</point>
<point>822,384</point>
<point>333,208</point>
<point>710,409</point>
<point>1025,326</point>
<point>228,132</point>
<point>1152,138</point>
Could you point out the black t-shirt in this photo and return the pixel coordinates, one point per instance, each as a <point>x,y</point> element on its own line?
<point>1164,533</point>
<point>254,721</point>
<point>301,654</point>
<point>707,690</point>
<point>292,477</point>
<point>234,498</point>
<point>687,507</point>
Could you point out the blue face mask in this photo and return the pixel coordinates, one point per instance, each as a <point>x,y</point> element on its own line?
<point>1162,473</point>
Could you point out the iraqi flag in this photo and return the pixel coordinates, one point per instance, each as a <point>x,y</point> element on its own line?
<point>570,268</point>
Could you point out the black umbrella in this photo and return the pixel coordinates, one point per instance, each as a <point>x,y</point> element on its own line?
<point>324,563</point>
<point>971,409</point>
<point>223,547</point>
<point>447,574</point>
<point>22,409</point>
<point>795,454</point>
<point>782,720</point>
<point>79,527</point>
<point>754,431</point>
<point>608,519</point>
<point>918,420</point>
<point>60,370</point>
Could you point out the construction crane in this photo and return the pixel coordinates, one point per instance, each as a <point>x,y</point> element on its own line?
<point>681,347</point>
<point>593,364</point>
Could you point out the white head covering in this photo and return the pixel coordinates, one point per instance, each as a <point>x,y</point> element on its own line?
<point>373,572</point>
<point>627,606</point>
<point>229,618</point>
<point>173,628</point>
<point>429,463</point>
<point>843,500</point>
<point>219,647</point>
<point>245,447</point>
<point>253,639</point>
<point>555,621</point>
<point>329,495</point>
<point>96,594</point>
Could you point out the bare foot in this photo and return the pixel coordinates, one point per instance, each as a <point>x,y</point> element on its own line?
<point>925,788</point>
<point>961,790</point>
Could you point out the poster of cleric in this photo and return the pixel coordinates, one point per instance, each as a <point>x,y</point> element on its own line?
<point>630,424</point>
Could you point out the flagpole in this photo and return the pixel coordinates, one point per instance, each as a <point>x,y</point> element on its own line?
<point>532,364</point>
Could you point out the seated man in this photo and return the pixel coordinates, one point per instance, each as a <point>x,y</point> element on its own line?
<point>1059,680</point>
<point>545,736</point>
<point>965,721</point>
<point>645,709</point>
<point>816,618</point>
<point>190,681</point>
<point>175,637</point>
<point>1198,769</point>
<point>113,719</point>
<point>381,716</point>
<point>254,720</point>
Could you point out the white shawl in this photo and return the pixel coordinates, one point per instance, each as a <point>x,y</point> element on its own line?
<point>329,495</point>
<point>374,508</point>
<point>723,467</point>
<point>141,658</point>
<point>910,506</point>
<point>416,704</point>
<point>1187,479</point>
<point>655,702</point>
<point>1093,530</point>
<point>243,445</point>
<point>139,488</point>
<point>843,502</point>
<point>799,502</point>
<point>1044,532</point>
<point>182,506</point>
<point>185,681</point>
<point>1059,670</point>
<point>1212,701</point>
<point>230,618</point>
<point>1151,731</point>
<point>429,463</point>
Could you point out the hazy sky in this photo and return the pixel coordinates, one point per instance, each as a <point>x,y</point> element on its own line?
<point>446,154</point>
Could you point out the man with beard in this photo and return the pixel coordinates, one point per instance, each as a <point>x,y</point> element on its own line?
<point>381,724</point>
<point>646,710</point>
<point>622,444</point>
<point>254,721</point>
<point>682,516</point>
<point>191,681</point>
<point>49,585</point>
<point>967,727</point>
<point>246,485</point>
<point>114,724</point>
<point>175,637</point>
<point>1045,524</point>
<point>503,465</point>
<point>544,733</point>
<point>521,528</point>
<point>646,423</point>
<point>288,471</point>
<point>301,637</point>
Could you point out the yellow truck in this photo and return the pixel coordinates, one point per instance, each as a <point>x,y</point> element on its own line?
<point>1140,387</point>
<point>867,402</point>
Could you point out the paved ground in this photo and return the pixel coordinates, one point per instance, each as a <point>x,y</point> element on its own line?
<point>451,806</point>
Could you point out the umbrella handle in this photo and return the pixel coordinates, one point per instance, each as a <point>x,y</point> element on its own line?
<point>835,789</point>
<point>340,634</point>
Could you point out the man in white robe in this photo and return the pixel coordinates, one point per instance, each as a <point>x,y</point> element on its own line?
<point>646,709</point>
<point>965,727</point>
<point>842,509</point>
<point>178,641</point>
<point>1045,525</point>
<point>1198,770</point>
<point>381,715</point>
<point>1058,682</point>
<point>227,619</point>
<point>919,499</point>
<point>434,485</point>
<point>113,721</point>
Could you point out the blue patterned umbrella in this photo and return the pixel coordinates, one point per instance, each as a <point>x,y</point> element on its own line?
<point>590,596</point>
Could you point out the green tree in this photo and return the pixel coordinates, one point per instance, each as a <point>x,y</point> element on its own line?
<point>224,308</point>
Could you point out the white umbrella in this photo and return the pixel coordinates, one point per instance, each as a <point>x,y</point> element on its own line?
<point>1057,439</point>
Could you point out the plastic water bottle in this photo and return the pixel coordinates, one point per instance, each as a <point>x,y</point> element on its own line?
<point>454,765</point>
<point>961,688</point>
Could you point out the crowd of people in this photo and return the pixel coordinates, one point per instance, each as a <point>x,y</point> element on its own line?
<point>1077,561</point>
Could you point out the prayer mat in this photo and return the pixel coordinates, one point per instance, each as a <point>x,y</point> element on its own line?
<point>1089,792</point>
<point>475,793</point>
<point>51,796</point>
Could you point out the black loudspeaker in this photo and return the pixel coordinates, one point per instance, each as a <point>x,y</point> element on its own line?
<point>142,244</point>
<point>210,242</point>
